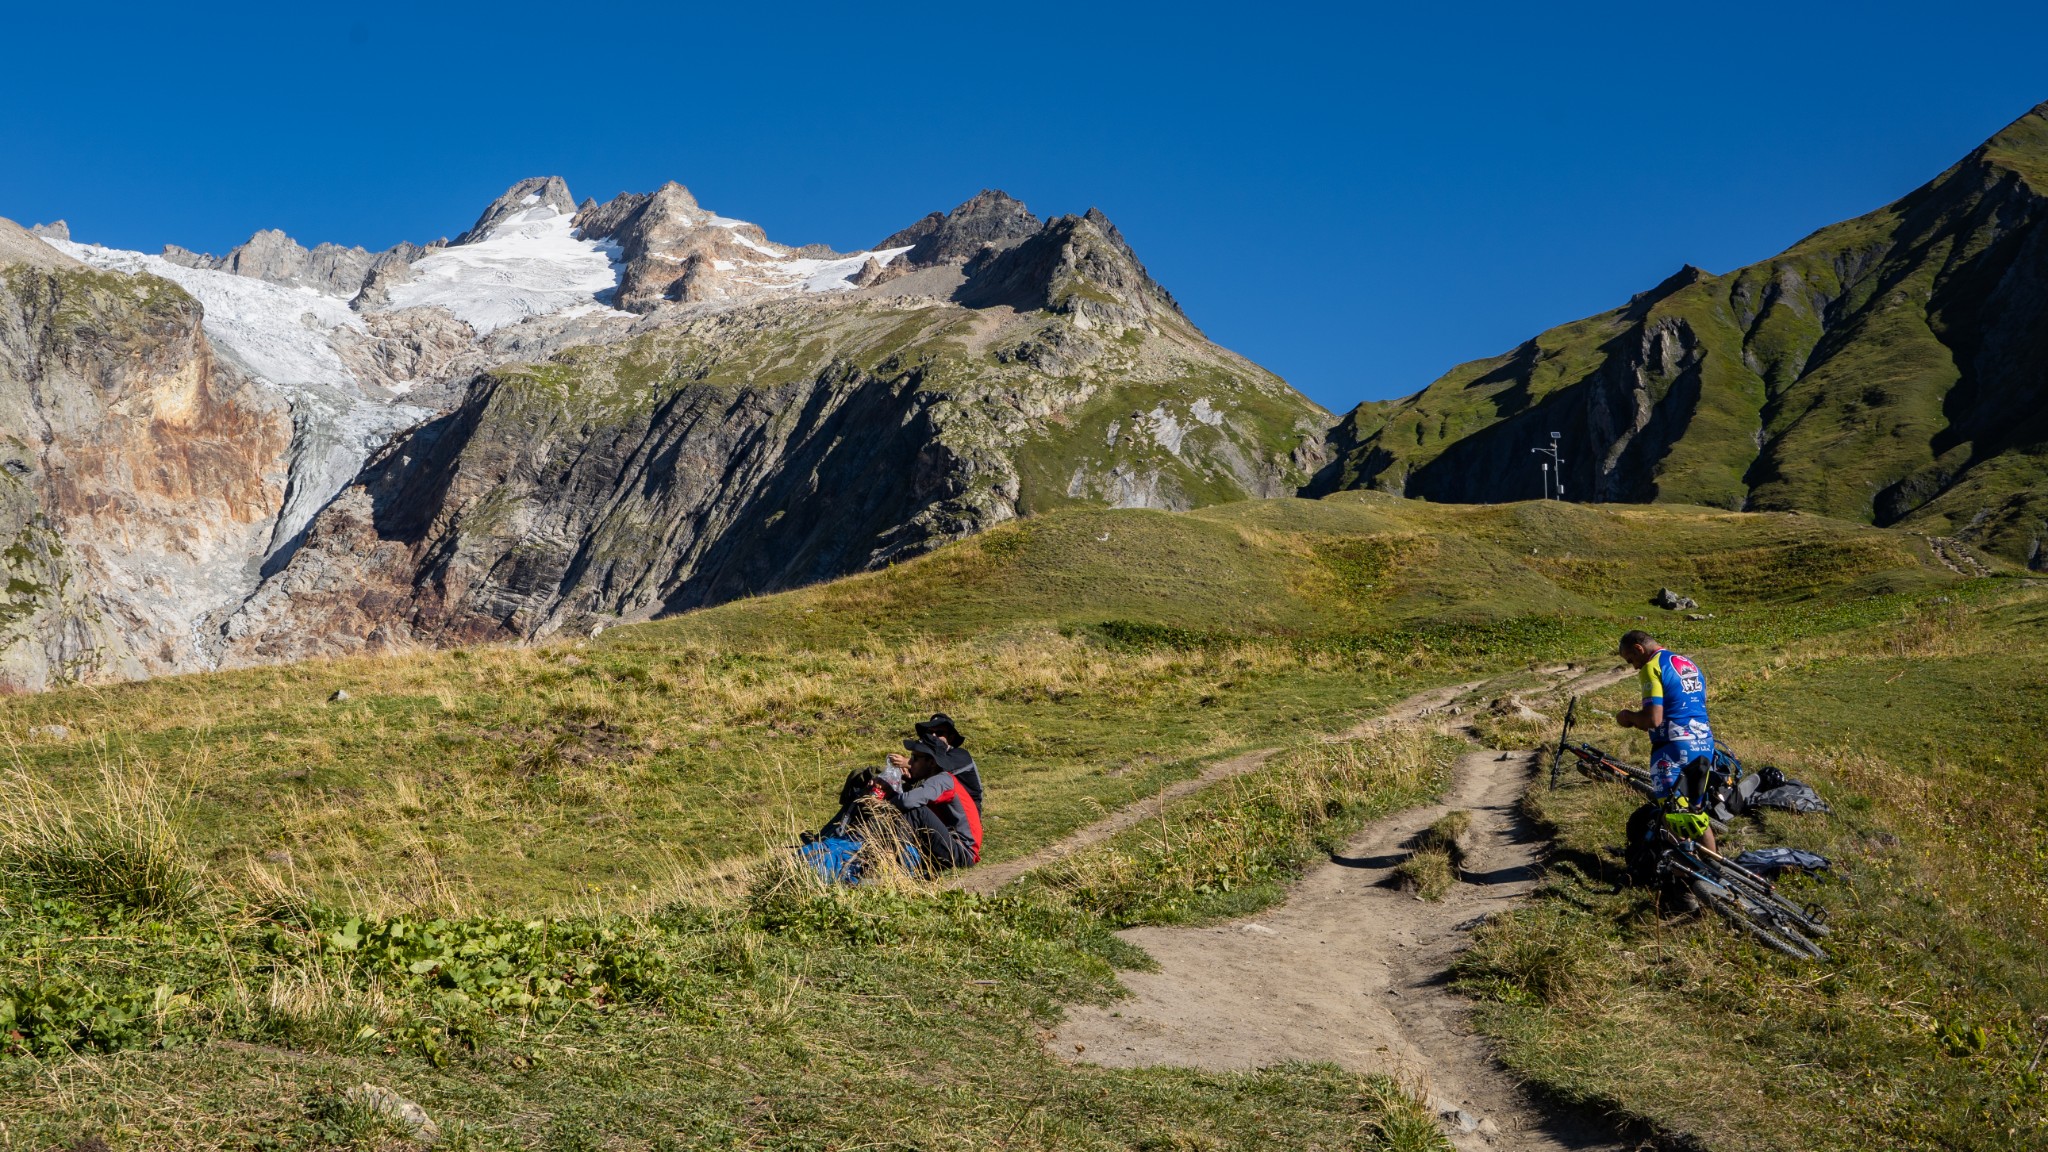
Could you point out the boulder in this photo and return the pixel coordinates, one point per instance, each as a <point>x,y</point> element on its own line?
<point>405,1114</point>
<point>1672,602</point>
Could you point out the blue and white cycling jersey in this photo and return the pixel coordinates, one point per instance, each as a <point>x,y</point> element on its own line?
<point>1678,685</point>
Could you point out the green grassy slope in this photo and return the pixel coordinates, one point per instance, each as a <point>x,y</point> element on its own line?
<point>586,986</point>
<point>548,775</point>
<point>1888,369</point>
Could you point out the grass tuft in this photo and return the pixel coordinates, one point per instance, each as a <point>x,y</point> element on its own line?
<point>1431,869</point>
<point>1427,872</point>
<point>119,845</point>
<point>1451,834</point>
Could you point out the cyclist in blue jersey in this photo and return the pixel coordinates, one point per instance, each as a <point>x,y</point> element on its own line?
<point>1674,713</point>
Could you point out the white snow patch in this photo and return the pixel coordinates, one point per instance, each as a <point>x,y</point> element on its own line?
<point>278,332</point>
<point>529,264</point>
<point>714,220</point>
<point>810,275</point>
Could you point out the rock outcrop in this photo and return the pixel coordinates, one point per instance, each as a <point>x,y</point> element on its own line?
<point>992,219</point>
<point>140,477</point>
<point>276,258</point>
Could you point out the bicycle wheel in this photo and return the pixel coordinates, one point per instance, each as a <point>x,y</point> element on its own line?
<point>1791,933</point>
<point>1797,916</point>
<point>1760,892</point>
<point>1741,918</point>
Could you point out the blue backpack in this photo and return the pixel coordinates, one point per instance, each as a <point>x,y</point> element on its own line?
<point>837,859</point>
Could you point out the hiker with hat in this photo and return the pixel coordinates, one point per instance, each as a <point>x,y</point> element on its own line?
<point>941,732</point>
<point>943,814</point>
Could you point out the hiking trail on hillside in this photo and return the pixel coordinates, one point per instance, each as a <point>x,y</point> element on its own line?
<point>1350,970</point>
<point>987,878</point>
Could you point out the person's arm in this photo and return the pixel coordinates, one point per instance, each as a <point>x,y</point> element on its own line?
<point>1651,713</point>
<point>926,790</point>
<point>1645,718</point>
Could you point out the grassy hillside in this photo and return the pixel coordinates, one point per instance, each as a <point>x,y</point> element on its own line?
<point>1927,1027</point>
<point>1094,655</point>
<point>1886,369</point>
<point>487,879</point>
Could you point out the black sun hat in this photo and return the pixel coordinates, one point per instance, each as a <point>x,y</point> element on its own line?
<point>940,725</point>
<point>950,759</point>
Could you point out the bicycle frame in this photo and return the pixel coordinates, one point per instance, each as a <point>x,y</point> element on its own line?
<point>1600,763</point>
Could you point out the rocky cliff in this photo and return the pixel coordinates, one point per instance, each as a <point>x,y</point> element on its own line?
<point>140,476</point>
<point>572,414</point>
<point>1893,368</point>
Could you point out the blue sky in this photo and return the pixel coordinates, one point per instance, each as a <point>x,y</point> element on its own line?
<point>1356,197</point>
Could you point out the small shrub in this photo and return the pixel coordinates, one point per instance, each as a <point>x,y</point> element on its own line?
<point>1140,634</point>
<point>64,1013</point>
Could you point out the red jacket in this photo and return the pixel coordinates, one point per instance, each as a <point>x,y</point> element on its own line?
<point>951,801</point>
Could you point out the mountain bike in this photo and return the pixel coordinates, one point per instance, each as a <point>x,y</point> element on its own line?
<point>1744,898</point>
<point>1748,901</point>
<point>1598,765</point>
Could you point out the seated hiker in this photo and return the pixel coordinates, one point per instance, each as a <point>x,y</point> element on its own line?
<point>943,816</point>
<point>868,820</point>
<point>866,796</point>
<point>958,760</point>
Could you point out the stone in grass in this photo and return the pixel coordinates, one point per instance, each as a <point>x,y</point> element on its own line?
<point>1672,602</point>
<point>57,733</point>
<point>388,1105</point>
<point>340,694</point>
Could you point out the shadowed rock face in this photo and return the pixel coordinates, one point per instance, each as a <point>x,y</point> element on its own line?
<point>991,218</point>
<point>1893,368</point>
<point>140,476</point>
<point>755,449</point>
<point>514,517</point>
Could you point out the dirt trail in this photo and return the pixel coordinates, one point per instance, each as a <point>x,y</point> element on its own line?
<point>990,877</point>
<point>1352,971</point>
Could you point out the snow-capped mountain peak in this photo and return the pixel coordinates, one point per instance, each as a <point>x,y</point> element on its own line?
<point>527,261</point>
